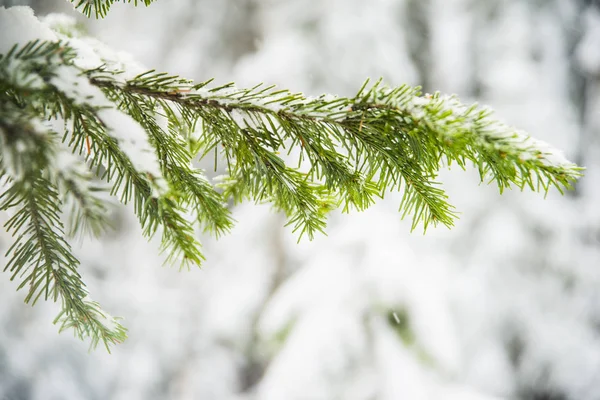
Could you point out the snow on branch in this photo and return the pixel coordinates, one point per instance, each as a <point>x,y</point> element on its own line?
<point>141,135</point>
<point>383,139</point>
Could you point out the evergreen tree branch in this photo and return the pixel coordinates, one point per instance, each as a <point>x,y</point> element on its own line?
<point>40,255</point>
<point>41,179</point>
<point>107,154</point>
<point>393,139</point>
<point>306,156</point>
<point>99,8</point>
<point>175,159</point>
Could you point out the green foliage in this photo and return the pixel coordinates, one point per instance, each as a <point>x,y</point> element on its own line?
<point>99,8</point>
<point>41,255</point>
<point>306,156</point>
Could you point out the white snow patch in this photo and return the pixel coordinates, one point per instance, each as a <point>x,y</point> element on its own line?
<point>20,26</point>
<point>133,140</point>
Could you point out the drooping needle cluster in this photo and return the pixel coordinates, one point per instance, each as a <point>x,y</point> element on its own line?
<point>71,135</point>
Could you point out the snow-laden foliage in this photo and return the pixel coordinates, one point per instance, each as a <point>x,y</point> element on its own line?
<point>503,306</point>
<point>380,140</point>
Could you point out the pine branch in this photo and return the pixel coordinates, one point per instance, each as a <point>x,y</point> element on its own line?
<point>394,139</point>
<point>100,8</point>
<point>175,159</point>
<point>141,136</point>
<point>52,270</point>
<point>107,155</point>
<point>40,255</point>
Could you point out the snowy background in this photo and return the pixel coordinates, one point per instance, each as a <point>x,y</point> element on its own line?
<point>505,305</point>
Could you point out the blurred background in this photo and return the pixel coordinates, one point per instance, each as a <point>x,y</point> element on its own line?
<point>504,306</point>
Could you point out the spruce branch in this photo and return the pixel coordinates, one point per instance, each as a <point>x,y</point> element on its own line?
<point>175,158</point>
<point>108,156</point>
<point>99,8</point>
<point>141,137</point>
<point>41,178</point>
<point>41,256</point>
<point>382,139</point>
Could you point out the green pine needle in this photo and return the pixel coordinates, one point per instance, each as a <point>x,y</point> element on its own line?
<point>100,8</point>
<point>305,156</point>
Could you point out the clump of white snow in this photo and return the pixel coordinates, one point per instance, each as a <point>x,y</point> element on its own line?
<point>20,26</point>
